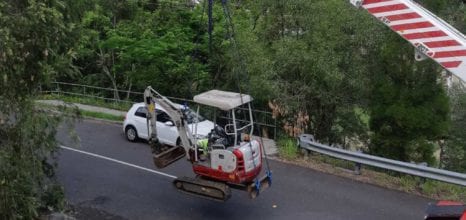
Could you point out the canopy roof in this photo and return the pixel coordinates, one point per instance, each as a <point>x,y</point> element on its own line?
<point>222,99</point>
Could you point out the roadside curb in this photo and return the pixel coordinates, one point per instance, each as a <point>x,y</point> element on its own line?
<point>79,106</point>
<point>102,120</point>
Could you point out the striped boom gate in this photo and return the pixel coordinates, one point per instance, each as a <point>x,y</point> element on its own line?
<point>429,34</point>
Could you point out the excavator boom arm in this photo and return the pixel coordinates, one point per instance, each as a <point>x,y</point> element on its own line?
<point>164,157</point>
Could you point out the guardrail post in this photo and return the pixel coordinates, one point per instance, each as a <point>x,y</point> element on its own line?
<point>421,180</point>
<point>58,88</point>
<point>357,168</point>
<point>305,153</point>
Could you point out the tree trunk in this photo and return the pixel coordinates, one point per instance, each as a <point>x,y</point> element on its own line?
<point>112,79</point>
<point>111,76</point>
<point>129,90</point>
<point>282,19</point>
<point>441,144</point>
<point>129,81</point>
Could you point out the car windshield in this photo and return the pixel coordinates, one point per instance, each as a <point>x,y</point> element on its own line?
<point>191,116</point>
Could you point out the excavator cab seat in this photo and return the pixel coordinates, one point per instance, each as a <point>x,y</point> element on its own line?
<point>218,137</point>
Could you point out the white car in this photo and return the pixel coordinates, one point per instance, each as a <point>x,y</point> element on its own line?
<point>135,125</point>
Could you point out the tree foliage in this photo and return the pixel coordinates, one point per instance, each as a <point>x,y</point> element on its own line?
<point>324,61</point>
<point>132,44</point>
<point>409,108</point>
<point>34,48</point>
<point>299,61</point>
<point>453,155</point>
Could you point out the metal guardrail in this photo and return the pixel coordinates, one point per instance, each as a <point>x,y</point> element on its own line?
<point>306,141</point>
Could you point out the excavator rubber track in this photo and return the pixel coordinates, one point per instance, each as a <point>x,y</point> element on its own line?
<point>203,188</point>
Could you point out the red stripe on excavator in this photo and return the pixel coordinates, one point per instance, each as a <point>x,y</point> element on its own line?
<point>452,64</point>
<point>387,8</point>
<point>410,26</point>
<point>454,53</point>
<point>404,16</point>
<point>427,34</point>
<point>367,2</point>
<point>444,43</point>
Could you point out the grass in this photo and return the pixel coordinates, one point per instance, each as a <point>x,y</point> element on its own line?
<point>101,115</point>
<point>122,106</point>
<point>89,114</point>
<point>444,190</point>
<point>287,148</point>
<point>335,162</point>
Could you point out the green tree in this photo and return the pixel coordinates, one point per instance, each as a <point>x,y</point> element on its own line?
<point>132,44</point>
<point>409,108</point>
<point>310,59</point>
<point>453,155</point>
<point>34,49</point>
<point>98,61</point>
<point>453,149</point>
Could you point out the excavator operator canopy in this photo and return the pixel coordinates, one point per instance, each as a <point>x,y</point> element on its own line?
<point>222,99</point>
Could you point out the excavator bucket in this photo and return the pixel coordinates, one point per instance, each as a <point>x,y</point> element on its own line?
<point>168,156</point>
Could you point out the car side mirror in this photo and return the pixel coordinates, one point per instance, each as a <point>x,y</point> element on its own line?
<point>169,123</point>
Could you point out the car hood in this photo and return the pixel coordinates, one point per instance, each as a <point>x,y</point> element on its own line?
<point>203,127</point>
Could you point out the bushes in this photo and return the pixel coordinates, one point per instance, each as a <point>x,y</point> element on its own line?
<point>288,148</point>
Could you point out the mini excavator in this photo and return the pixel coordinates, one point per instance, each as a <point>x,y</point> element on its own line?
<point>227,158</point>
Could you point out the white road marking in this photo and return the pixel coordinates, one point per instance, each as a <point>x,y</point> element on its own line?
<point>118,161</point>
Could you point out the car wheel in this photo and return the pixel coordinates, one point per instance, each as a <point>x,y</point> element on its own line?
<point>131,134</point>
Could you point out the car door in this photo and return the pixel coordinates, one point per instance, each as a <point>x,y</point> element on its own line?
<point>140,118</point>
<point>167,132</point>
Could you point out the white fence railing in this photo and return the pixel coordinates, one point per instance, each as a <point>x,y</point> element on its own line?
<point>116,96</point>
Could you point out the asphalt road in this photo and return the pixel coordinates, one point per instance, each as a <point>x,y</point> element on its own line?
<point>125,191</point>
